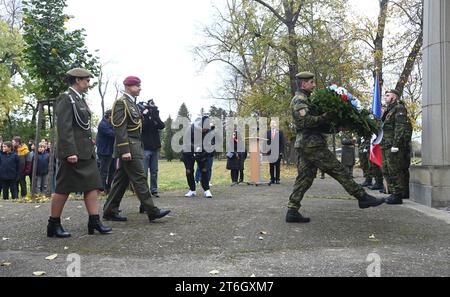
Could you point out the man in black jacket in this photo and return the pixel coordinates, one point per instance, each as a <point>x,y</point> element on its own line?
<point>151,127</point>
<point>275,136</point>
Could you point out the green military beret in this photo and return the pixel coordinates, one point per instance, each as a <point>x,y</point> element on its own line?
<point>79,72</point>
<point>305,75</point>
<point>396,92</point>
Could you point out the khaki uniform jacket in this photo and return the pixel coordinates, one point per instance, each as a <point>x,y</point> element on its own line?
<point>73,127</point>
<point>127,123</point>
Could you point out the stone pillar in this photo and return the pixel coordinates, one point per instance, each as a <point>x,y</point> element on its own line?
<point>430,183</point>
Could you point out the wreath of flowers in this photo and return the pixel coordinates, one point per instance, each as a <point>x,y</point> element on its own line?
<point>345,109</point>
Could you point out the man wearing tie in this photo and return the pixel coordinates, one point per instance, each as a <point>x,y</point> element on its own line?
<point>275,137</point>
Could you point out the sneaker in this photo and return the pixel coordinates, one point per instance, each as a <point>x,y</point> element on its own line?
<point>208,194</point>
<point>191,194</point>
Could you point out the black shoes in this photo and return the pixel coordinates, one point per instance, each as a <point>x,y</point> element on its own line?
<point>54,228</point>
<point>376,187</point>
<point>293,216</point>
<point>394,200</point>
<point>155,194</point>
<point>367,183</point>
<point>370,201</point>
<point>114,218</point>
<point>96,224</point>
<point>141,209</point>
<point>159,214</point>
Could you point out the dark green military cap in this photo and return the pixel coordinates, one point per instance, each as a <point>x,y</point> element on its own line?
<point>305,75</point>
<point>396,92</point>
<point>79,72</point>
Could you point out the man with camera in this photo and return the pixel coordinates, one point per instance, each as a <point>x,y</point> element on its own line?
<point>151,127</point>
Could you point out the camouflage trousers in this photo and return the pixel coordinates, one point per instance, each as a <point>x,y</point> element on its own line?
<point>396,170</point>
<point>364,164</point>
<point>311,159</point>
<point>370,170</point>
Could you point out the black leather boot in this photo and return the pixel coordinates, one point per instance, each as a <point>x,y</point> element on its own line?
<point>369,201</point>
<point>293,216</point>
<point>54,228</point>
<point>367,183</point>
<point>96,224</point>
<point>160,213</point>
<point>394,199</point>
<point>141,209</point>
<point>376,187</point>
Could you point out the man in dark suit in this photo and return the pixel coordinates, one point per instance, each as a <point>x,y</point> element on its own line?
<point>275,136</point>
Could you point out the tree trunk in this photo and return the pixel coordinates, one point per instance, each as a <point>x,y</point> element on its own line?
<point>40,109</point>
<point>415,51</point>
<point>378,42</point>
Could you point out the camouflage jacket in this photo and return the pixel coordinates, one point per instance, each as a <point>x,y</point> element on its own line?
<point>309,127</point>
<point>396,126</point>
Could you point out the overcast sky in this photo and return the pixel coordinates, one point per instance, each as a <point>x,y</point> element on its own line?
<point>154,40</point>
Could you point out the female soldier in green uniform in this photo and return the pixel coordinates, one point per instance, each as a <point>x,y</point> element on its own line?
<point>77,167</point>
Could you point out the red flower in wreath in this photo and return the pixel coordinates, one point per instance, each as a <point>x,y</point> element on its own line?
<point>344,97</point>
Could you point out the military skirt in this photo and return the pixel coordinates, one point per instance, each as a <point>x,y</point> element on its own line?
<point>83,176</point>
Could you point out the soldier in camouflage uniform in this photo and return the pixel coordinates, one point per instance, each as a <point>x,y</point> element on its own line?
<point>396,147</point>
<point>348,152</point>
<point>364,155</point>
<point>313,153</point>
<point>127,122</point>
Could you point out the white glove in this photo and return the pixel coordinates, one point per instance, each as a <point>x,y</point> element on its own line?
<point>394,150</point>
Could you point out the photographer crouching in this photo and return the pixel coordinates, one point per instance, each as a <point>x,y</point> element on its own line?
<point>151,139</point>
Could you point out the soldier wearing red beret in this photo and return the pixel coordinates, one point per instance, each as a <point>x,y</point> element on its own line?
<point>127,122</point>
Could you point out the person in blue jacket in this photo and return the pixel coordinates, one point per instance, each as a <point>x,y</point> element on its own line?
<point>105,146</point>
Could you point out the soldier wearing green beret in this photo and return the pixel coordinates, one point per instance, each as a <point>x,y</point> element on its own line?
<point>126,119</point>
<point>313,152</point>
<point>77,166</point>
<point>396,147</point>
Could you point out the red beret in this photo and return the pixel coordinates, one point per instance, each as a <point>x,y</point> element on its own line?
<point>132,81</point>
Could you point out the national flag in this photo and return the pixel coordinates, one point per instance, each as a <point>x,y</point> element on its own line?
<point>375,148</point>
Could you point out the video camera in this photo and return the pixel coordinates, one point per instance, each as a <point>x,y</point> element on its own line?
<point>148,107</point>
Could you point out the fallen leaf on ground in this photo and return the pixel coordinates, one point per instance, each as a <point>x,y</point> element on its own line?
<point>80,206</point>
<point>372,236</point>
<point>5,264</point>
<point>67,219</point>
<point>263,233</point>
<point>214,272</point>
<point>37,206</point>
<point>261,238</point>
<point>39,273</point>
<point>172,234</point>
<point>5,238</point>
<point>52,257</point>
<point>66,248</point>
<point>253,275</point>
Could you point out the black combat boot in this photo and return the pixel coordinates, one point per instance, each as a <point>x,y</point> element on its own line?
<point>394,199</point>
<point>96,224</point>
<point>367,183</point>
<point>369,201</point>
<point>160,213</point>
<point>293,216</point>
<point>376,187</point>
<point>54,228</point>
